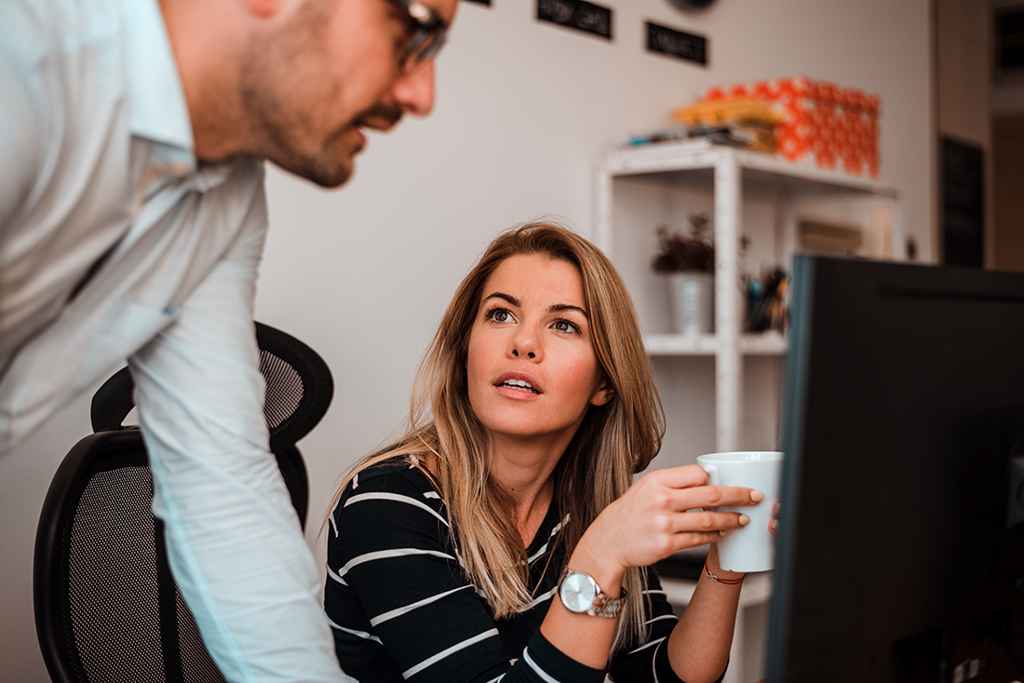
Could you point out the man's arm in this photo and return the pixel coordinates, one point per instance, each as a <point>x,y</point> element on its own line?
<point>233,539</point>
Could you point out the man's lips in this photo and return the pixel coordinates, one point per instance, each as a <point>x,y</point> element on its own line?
<point>360,127</point>
<point>380,118</point>
<point>379,127</point>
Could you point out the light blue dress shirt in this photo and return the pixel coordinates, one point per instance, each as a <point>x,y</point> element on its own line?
<point>98,161</point>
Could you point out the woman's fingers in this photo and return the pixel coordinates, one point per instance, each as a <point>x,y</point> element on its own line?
<point>693,539</point>
<point>703,522</point>
<point>681,477</point>
<point>713,496</point>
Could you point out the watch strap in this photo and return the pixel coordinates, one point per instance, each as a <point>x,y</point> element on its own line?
<point>607,607</point>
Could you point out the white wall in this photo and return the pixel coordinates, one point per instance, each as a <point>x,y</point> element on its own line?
<point>525,110</point>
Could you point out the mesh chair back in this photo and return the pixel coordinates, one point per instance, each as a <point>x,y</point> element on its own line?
<point>299,389</point>
<point>107,608</point>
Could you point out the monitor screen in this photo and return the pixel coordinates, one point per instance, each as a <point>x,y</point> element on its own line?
<point>900,552</point>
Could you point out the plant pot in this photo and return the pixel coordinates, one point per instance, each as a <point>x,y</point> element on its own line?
<point>693,302</point>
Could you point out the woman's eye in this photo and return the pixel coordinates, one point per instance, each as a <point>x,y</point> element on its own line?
<point>499,315</point>
<point>566,326</point>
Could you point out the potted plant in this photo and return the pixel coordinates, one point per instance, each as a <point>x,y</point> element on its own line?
<point>689,263</point>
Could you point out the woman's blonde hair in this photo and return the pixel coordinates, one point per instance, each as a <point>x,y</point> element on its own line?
<point>612,443</point>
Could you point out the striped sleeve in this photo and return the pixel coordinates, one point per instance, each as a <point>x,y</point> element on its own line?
<point>649,662</point>
<point>401,606</point>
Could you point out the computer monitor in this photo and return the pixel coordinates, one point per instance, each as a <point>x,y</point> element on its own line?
<point>900,552</point>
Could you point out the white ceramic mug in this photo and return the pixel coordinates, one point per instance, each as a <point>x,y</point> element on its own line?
<point>750,548</point>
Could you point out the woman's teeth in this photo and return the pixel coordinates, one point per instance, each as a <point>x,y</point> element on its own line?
<point>519,384</point>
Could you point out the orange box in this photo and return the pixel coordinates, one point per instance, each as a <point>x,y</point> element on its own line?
<point>837,126</point>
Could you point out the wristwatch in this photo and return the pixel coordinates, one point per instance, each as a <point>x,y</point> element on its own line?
<point>580,594</point>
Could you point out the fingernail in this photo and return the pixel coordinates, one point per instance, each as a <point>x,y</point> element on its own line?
<point>774,524</point>
<point>744,520</point>
<point>756,496</point>
<point>721,532</point>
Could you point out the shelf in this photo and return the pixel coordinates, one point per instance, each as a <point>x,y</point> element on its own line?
<point>639,186</point>
<point>696,155</point>
<point>767,344</point>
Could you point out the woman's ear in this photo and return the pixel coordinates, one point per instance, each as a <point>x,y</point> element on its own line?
<point>602,396</point>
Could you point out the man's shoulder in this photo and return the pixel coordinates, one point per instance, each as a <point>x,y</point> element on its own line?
<point>37,29</point>
<point>64,60</point>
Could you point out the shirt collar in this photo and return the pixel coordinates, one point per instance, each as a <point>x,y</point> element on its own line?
<point>156,98</point>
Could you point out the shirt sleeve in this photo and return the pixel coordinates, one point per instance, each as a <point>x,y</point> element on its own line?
<point>649,662</point>
<point>390,560</point>
<point>234,542</point>
<point>21,137</point>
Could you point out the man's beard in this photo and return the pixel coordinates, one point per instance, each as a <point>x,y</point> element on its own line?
<point>281,102</point>
<point>277,141</point>
<point>328,166</point>
<point>275,97</point>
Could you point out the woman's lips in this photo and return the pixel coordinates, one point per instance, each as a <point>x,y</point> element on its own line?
<point>517,393</point>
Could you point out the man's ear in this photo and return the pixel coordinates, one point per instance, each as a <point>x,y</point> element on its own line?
<point>602,396</point>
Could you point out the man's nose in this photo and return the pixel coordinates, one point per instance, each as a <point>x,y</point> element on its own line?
<point>414,90</point>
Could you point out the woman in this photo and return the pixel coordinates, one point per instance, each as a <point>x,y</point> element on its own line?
<point>503,536</point>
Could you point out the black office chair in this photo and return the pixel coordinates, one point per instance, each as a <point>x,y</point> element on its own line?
<point>107,608</point>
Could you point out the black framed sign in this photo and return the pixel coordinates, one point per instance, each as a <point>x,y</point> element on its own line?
<point>578,15</point>
<point>962,183</point>
<point>670,42</point>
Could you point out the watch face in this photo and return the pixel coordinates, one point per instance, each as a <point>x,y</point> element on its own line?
<point>578,592</point>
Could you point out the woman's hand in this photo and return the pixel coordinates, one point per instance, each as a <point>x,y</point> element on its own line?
<point>661,514</point>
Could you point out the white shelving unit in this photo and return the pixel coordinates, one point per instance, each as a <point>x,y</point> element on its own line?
<point>767,344</point>
<point>730,171</point>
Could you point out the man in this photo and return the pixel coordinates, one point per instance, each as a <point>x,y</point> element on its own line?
<point>132,221</point>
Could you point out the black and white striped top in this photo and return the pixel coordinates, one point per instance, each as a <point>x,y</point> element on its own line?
<point>401,607</point>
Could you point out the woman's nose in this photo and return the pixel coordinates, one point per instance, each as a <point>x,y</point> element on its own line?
<point>524,344</point>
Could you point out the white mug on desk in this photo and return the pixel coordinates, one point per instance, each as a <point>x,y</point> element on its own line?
<point>750,548</point>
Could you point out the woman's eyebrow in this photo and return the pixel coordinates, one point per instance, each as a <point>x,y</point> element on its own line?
<point>502,295</point>
<point>555,308</point>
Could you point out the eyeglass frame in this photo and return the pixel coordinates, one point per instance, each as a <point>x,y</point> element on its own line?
<point>429,33</point>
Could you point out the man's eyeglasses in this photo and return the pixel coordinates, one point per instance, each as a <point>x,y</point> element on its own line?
<point>428,33</point>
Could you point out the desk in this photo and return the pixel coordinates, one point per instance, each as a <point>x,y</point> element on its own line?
<point>745,660</point>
